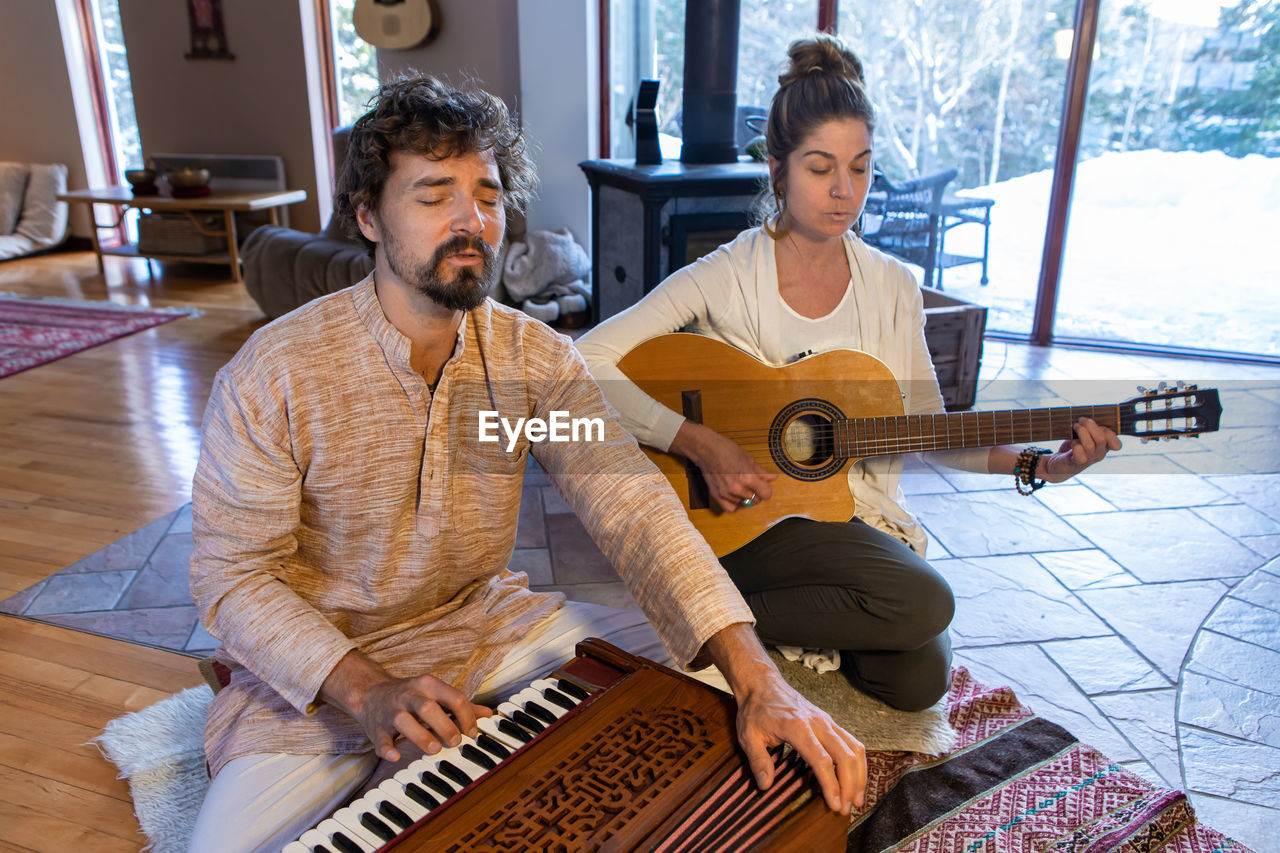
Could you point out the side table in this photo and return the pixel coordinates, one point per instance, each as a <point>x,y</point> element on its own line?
<point>226,202</point>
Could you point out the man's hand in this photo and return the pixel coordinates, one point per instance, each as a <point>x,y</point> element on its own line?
<point>1090,445</point>
<point>424,709</point>
<point>771,712</point>
<point>732,475</point>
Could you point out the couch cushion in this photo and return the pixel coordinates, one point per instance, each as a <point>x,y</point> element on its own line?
<point>44,218</point>
<point>13,183</point>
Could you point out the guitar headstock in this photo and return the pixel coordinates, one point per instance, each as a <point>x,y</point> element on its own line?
<point>1170,413</point>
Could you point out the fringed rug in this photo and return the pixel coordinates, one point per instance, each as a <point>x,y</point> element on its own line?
<point>37,331</point>
<point>1016,783</point>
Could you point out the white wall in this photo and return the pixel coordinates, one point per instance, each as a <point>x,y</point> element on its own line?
<point>559,108</point>
<point>37,107</point>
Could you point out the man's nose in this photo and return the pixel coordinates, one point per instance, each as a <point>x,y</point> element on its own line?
<point>467,218</point>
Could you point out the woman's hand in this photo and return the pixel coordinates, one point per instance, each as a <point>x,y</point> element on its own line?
<point>1090,445</point>
<point>732,475</point>
<point>428,712</point>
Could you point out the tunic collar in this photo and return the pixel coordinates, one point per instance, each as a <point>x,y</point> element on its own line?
<point>389,338</point>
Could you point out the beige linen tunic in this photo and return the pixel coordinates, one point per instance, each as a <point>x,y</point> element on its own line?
<point>339,504</point>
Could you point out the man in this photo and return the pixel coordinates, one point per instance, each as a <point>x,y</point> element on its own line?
<point>352,527</point>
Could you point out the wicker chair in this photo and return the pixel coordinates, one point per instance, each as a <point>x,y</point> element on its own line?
<point>904,219</point>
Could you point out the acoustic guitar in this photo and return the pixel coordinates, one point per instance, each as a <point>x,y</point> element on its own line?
<point>807,421</point>
<point>396,24</point>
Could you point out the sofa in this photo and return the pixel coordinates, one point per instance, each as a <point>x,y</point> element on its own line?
<point>285,268</point>
<point>31,217</point>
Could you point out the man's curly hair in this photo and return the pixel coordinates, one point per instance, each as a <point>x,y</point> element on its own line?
<point>424,115</point>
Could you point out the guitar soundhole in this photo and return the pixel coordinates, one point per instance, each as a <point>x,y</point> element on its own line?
<point>802,440</point>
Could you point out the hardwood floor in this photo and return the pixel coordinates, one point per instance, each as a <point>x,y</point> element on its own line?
<point>97,444</point>
<point>92,447</point>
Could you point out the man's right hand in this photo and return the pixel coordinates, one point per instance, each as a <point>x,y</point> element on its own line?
<point>425,710</point>
<point>731,474</point>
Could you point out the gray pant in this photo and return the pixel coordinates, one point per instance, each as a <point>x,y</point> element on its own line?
<point>847,586</point>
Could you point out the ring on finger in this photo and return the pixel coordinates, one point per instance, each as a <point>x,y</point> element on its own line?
<point>748,502</point>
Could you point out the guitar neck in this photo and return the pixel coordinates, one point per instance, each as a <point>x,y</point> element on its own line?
<point>858,438</point>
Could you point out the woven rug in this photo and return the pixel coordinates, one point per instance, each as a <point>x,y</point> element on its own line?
<point>1017,783</point>
<point>37,331</point>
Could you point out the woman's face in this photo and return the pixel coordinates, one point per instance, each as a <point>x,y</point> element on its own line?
<point>827,178</point>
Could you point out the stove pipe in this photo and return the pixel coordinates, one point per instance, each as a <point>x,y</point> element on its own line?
<point>710,111</point>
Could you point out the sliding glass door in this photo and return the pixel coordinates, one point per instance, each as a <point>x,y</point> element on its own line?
<point>1174,212</point>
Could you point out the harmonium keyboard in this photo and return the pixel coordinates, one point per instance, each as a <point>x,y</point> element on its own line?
<point>610,752</point>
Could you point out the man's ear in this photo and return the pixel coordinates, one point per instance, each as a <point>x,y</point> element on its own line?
<point>367,221</point>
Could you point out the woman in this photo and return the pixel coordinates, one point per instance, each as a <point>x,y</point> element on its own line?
<point>804,283</point>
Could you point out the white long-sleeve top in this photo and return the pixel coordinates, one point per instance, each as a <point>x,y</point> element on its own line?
<point>732,295</point>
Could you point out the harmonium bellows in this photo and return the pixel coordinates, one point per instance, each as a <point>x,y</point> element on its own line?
<point>611,752</point>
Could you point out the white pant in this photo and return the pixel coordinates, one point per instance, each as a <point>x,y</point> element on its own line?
<point>263,802</point>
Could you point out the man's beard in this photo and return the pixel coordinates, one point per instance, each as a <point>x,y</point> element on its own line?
<point>468,288</point>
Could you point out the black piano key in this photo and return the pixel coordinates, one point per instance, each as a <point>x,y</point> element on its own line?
<point>473,754</point>
<point>492,747</point>
<point>453,773</point>
<point>540,712</point>
<point>572,689</point>
<point>510,729</point>
<point>436,784</point>
<point>344,844</point>
<point>375,825</point>
<point>559,698</point>
<point>419,795</point>
<point>528,722</point>
<point>320,848</point>
<point>395,814</point>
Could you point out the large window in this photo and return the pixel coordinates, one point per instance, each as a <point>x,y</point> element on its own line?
<point>975,86</point>
<point>1175,172</point>
<point>1173,215</point>
<point>355,64</point>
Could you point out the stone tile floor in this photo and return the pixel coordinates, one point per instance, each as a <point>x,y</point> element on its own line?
<point>1138,606</point>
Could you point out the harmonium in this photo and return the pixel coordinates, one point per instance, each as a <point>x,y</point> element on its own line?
<point>611,752</point>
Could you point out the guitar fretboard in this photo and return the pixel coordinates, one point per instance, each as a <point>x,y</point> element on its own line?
<point>858,438</point>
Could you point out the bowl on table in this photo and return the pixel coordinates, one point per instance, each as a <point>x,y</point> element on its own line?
<point>188,178</point>
<point>143,181</point>
<point>188,182</point>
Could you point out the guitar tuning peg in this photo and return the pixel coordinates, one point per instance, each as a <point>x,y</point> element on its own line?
<point>1162,387</point>
<point>1143,389</point>
<point>1145,439</point>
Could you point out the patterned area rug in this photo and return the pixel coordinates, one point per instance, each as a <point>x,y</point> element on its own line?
<point>37,331</point>
<point>1016,783</point>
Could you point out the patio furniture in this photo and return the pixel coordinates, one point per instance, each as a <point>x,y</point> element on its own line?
<point>964,210</point>
<point>910,219</point>
<point>904,219</point>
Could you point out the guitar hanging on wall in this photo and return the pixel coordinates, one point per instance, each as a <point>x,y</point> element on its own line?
<point>806,422</point>
<point>396,24</point>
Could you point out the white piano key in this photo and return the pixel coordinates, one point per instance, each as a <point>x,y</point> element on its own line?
<point>371,804</point>
<point>393,790</point>
<point>489,725</point>
<point>407,776</point>
<point>549,684</point>
<point>350,819</point>
<point>327,828</point>
<point>296,847</point>
<point>509,710</point>
<point>530,694</point>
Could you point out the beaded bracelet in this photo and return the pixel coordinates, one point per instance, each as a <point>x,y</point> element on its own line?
<point>1024,470</point>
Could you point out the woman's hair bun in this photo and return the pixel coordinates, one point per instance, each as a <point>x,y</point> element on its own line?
<point>821,54</point>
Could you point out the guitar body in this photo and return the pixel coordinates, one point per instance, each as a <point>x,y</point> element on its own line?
<point>395,24</point>
<point>782,416</point>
